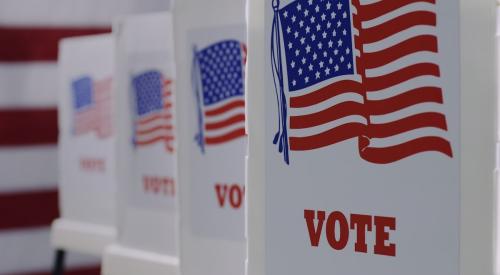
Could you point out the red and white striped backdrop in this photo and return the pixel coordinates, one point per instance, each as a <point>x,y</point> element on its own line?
<point>29,33</point>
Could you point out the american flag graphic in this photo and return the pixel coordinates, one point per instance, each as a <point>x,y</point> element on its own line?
<point>92,106</point>
<point>218,81</point>
<point>153,98</point>
<point>358,69</point>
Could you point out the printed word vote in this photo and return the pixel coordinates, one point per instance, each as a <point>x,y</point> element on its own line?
<point>159,185</point>
<point>338,226</point>
<point>233,193</point>
<point>92,164</point>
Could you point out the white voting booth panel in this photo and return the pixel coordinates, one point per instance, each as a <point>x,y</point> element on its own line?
<point>147,211</point>
<point>86,145</point>
<point>497,171</point>
<point>371,137</point>
<point>210,57</point>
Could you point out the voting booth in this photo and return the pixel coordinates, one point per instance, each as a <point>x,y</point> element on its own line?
<point>87,158</point>
<point>210,59</point>
<point>371,137</point>
<point>147,207</point>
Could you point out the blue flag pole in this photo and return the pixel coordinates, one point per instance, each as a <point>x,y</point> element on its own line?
<point>195,79</point>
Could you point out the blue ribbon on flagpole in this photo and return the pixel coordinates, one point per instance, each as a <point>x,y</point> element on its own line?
<point>281,137</point>
<point>195,80</point>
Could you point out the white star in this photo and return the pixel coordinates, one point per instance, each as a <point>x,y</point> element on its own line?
<point>317,8</point>
<point>296,34</point>
<point>320,45</point>
<point>313,37</point>
<point>299,7</point>
<point>311,67</point>
<point>302,40</point>
<point>288,30</point>
<point>333,15</point>
<point>318,27</point>
<point>336,68</point>
<point>292,64</point>
<point>325,54</point>
<point>290,45</point>
<point>349,65</point>
<point>323,17</point>
<point>306,13</point>
<point>328,5</point>
<point>313,19</point>
<point>307,79</point>
<point>317,74</point>
<point>285,14</point>
<point>330,44</point>
<point>339,24</point>
<point>334,33</point>
<point>327,71</point>
<point>330,61</point>
<point>324,35</point>
<point>303,60</point>
<point>335,52</point>
<point>308,29</point>
<point>347,51</point>
<point>339,6</point>
<point>328,25</point>
<point>340,42</point>
<point>344,15</point>
<point>315,56</point>
<point>342,59</point>
<point>308,49</point>
<point>297,52</point>
<point>300,71</point>
<point>321,64</point>
<point>294,18</point>
<point>294,82</point>
<point>344,32</point>
<point>301,23</point>
<point>310,2</point>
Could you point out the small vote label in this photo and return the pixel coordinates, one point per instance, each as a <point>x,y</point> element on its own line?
<point>229,195</point>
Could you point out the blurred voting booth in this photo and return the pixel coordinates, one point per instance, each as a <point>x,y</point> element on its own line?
<point>147,206</point>
<point>87,157</point>
<point>210,59</point>
<point>371,137</point>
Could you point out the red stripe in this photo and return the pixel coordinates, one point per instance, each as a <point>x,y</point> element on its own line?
<point>332,113</point>
<point>225,108</point>
<point>423,43</point>
<point>332,136</point>
<point>28,209</point>
<point>225,138</point>
<point>155,117</point>
<point>325,93</point>
<point>154,140</point>
<point>37,44</point>
<point>91,270</point>
<point>422,120</point>
<point>377,9</point>
<point>394,153</point>
<point>28,127</point>
<point>225,123</point>
<point>148,131</point>
<point>398,24</point>
<point>402,75</point>
<point>401,101</point>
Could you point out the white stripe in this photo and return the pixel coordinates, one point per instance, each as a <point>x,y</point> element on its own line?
<point>29,250</point>
<point>28,84</point>
<point>154,134</point>
<point>223,103</point>
<point>224,130</point>
<point>74,12</point>
<point>225,115</point>
<point>417,82</point>
<point>398,38</point>
<point>155,123</point>
<point>403,62</point>
<point>345,97</point>
<point>368,2</point>
<point>327,126</point>
<point>325,83</point>
<point>408,136</point>
<point>28,167</point>
<point>419,6</point>
<point>420,108</point>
